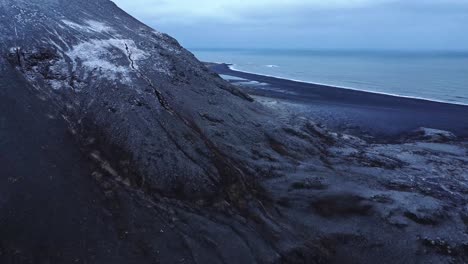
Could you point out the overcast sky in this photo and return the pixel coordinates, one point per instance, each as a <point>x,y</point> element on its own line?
<point>308,24</point>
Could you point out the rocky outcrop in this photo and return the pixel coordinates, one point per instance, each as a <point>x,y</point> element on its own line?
<point>431,135</point>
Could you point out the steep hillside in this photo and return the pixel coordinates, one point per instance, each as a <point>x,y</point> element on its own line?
<point>137,134</point>
<point>119,146</point>
<point>135,97</point>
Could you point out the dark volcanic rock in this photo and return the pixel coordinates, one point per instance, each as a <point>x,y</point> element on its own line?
<point>314,184</point>
<point>118,146</point>
<point>136,93</point>
<point>342,205</point>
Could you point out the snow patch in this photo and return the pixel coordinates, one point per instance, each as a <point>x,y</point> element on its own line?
<point>107,56</point>
<point>74,25</point>
<point>431,132</point>
<point>14,49</point>
<point>56,85</point>
<point>91,26</point>
<point>432,135</point>
<point>157,33</point>
<point>97,26</point>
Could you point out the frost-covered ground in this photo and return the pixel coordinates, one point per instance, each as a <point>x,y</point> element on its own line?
<point>407,197</point>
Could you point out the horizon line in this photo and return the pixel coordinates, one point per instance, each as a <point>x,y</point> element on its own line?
<point>330,49</point>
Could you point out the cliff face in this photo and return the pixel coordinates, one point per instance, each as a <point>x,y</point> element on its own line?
<point>138,102</point>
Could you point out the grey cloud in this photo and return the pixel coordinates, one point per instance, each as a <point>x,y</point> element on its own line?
<point>386,24</point>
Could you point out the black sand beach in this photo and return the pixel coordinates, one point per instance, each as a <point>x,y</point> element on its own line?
<point>376,115</point>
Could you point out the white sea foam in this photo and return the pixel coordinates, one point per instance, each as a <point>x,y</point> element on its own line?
<point>232,78</point>
<point>253,83</point>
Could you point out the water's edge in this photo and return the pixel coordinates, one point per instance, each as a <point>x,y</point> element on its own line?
<point>432,76</point>
<point>233,68</point>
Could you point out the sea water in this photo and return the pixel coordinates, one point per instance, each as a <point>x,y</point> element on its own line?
<point>434,75</point>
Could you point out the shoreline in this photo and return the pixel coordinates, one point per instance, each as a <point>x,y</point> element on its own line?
<point>232,68</point>
<point>377,115</point>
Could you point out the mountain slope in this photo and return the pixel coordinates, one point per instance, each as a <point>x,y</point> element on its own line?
<point>119,146</point>
<point>176,128</point>
<point>153,157</point>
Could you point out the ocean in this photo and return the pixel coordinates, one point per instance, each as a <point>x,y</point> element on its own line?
<point>438,76</point>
